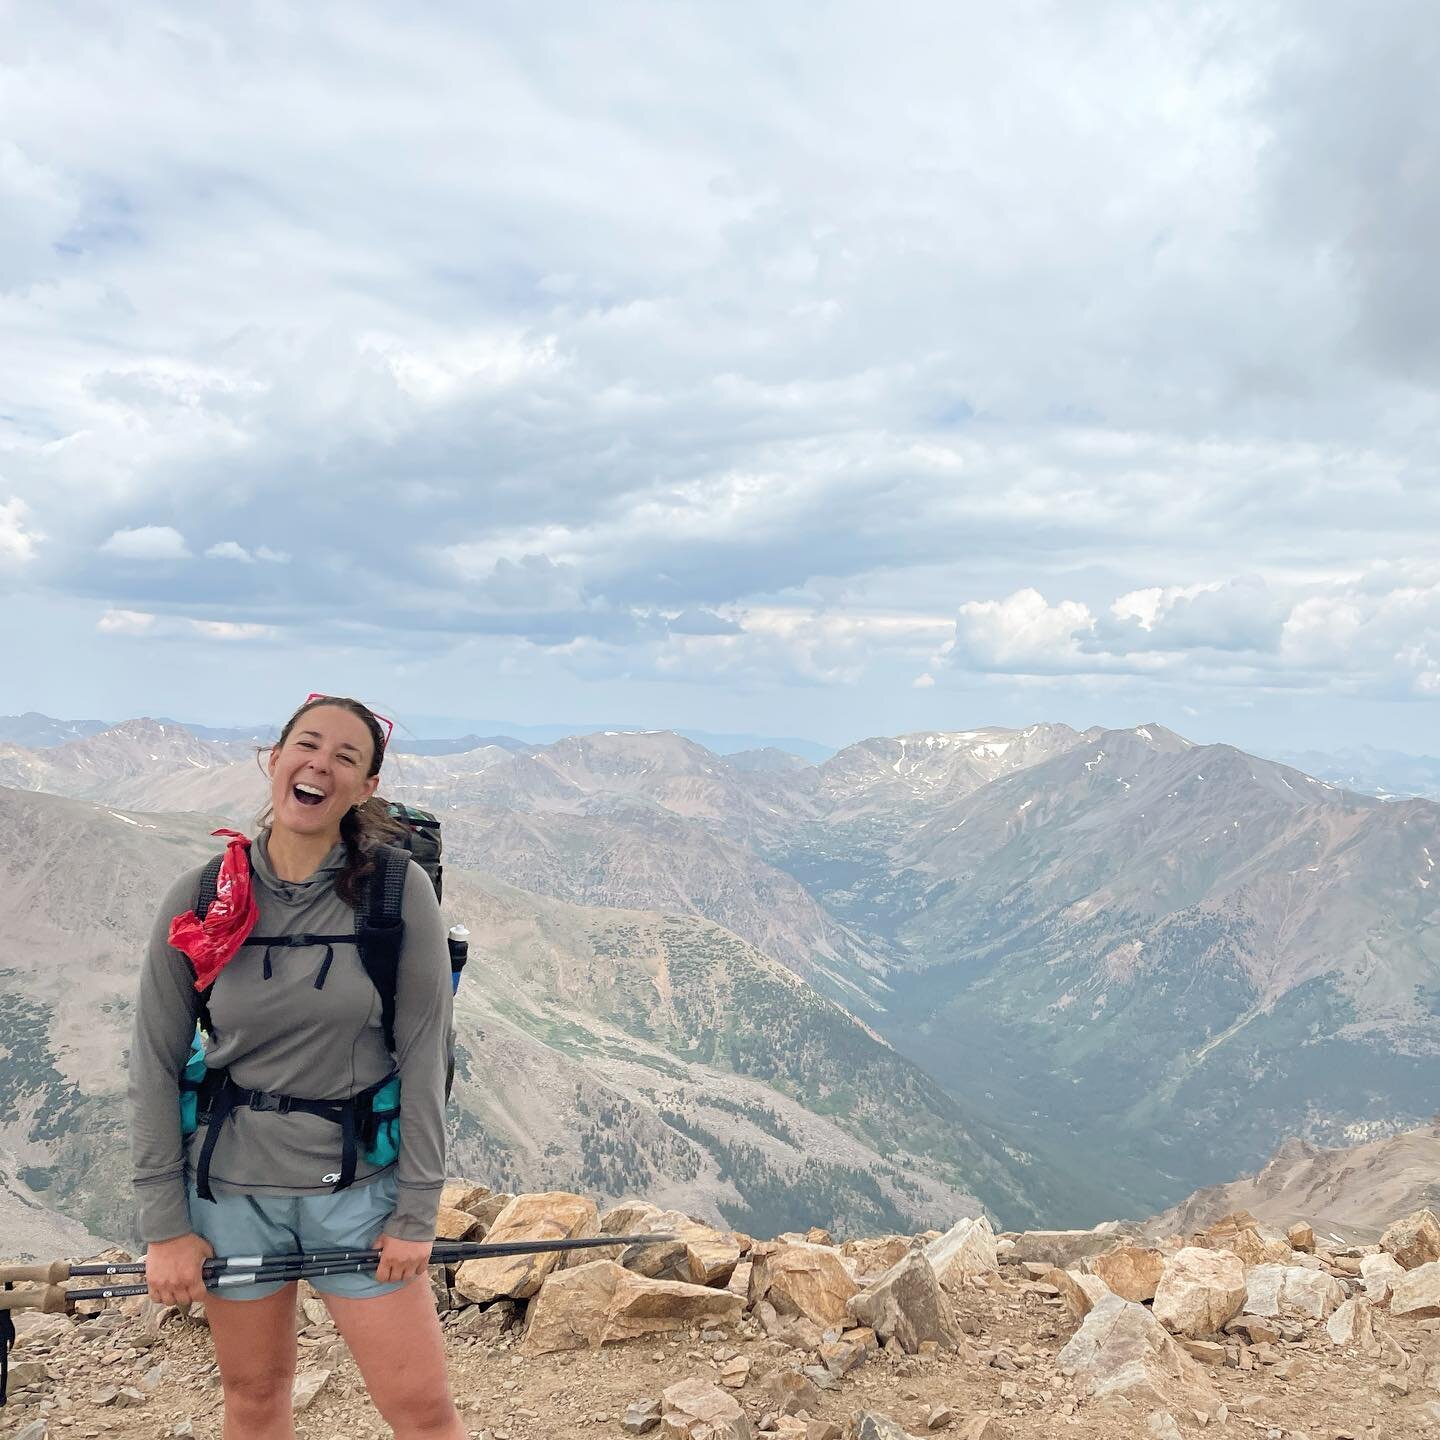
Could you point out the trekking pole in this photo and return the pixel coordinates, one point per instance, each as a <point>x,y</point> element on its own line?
<point>230,1271</point>
<point>443,1252</point>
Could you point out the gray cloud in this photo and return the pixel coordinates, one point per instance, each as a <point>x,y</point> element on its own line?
<point>761,354</point>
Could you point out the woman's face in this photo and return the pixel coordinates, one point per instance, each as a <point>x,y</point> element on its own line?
<point>320,771</point>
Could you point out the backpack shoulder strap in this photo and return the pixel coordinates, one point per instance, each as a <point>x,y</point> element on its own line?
<point>209,880</point>
<point>380,930</point>
<point>204,898</point>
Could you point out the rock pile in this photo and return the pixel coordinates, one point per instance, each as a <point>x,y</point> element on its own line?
<point>719,1336</point>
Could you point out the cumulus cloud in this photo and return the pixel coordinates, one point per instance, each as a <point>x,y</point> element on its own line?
<point>1236,615</point>
<point>125,622</point>
<point>1021,634</point>
<point>147,542</point>
<point>232,630</point>
<point>1374,634</point>
<point>233,550</point>
<point>17,541</point>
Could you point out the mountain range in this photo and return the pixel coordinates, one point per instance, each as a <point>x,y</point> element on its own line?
<point>1109,942</point>
<point>618,1051</point>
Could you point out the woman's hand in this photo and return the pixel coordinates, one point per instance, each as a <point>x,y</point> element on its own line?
<point>401,1259</point>
<point>173,1269</point>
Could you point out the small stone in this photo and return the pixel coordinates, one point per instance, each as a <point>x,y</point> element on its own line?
<point>790,1392</point>
<point>641,1417</point>
<point>983,1427</point>
<point>26,1372</point>
<point>693,1410</point>
<point>308,1385</point>
<point>941,1417</point>
<point>871,1425</point>
<point>735,1372</point>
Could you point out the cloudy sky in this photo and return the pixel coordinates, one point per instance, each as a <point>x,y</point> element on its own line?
<point>822,369</point>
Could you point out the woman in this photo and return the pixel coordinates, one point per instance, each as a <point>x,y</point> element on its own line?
<point>303,1021</point>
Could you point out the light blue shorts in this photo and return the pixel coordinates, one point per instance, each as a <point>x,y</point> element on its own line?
<point>289,1224</point>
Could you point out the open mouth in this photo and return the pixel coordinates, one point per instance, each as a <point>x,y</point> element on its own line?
<point>308,795</point>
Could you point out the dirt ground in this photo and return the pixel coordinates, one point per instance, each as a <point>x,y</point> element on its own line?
<point>1009,1373</point>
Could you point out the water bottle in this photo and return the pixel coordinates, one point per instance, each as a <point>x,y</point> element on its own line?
<point>458,941</point>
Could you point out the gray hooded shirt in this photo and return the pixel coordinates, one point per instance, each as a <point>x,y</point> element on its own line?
<point>282,1034</point>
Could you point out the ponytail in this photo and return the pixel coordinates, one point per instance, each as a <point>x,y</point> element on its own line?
<point>361,830</point>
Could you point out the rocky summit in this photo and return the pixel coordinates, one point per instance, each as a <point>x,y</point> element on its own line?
<point>1242,1331</point>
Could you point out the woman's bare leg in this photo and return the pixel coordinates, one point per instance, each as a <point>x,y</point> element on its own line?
<point>397,1343</point>
<point>255,1345</point>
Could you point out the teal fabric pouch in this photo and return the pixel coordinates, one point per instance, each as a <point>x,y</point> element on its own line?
<point>191,1078</point>
<point>385,1108</point>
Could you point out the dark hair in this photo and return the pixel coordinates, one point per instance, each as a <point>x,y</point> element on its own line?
<point>365,826</point>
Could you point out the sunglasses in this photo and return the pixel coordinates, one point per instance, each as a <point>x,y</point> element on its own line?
<point>384,720</point>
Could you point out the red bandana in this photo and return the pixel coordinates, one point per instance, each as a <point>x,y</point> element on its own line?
<point>211,944</point>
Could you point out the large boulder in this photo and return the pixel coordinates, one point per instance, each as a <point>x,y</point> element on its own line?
<point>1417,1293</point>
<point>1200,1291</point>
<point>1132,1271</point>
<point>710,1255</point>
<point>550,1215</point>
<point>601,1302</point>
<point>967,1248</point>
<point>808,1280</point>
<point>1352,1324</point>
<point>1292,1290</point>
<point>629,1217</point>
<point>1122,1350</point>
<point>1062,1248</point>
<point>696,1410</point>
<point>452,1223</point>
<point>876,1255</point>
<point>707,1256</point>
<point>1380,1272</point>
<point>1078,1290</point>
<point>1413,1241</point>
<point>486,1211</point>
<point>1242,1235</point>
<point>907,1302</point>
<point>462,1194</point>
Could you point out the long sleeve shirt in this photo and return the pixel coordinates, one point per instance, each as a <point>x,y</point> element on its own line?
<point>282,1034</point>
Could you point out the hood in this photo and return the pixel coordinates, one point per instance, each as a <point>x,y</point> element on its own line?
<point>294,892</point>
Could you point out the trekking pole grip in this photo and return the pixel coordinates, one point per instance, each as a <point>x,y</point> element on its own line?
<point>51,1300</point>
<point>49,1274</point>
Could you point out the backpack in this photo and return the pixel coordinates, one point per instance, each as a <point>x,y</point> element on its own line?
<point>421,837</point>
<point>369,1120</point>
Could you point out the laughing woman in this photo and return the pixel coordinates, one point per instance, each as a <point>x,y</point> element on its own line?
<point>290,1021</point>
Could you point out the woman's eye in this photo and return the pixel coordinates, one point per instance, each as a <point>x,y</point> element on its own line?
<point>348,759</point>
<point>306,744</point>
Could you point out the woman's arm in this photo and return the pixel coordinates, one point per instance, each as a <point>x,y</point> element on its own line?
<point>165,1010</point>
<point>422,1043</point>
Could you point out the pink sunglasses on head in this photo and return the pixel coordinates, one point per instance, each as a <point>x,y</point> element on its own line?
<point>384,720</point>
